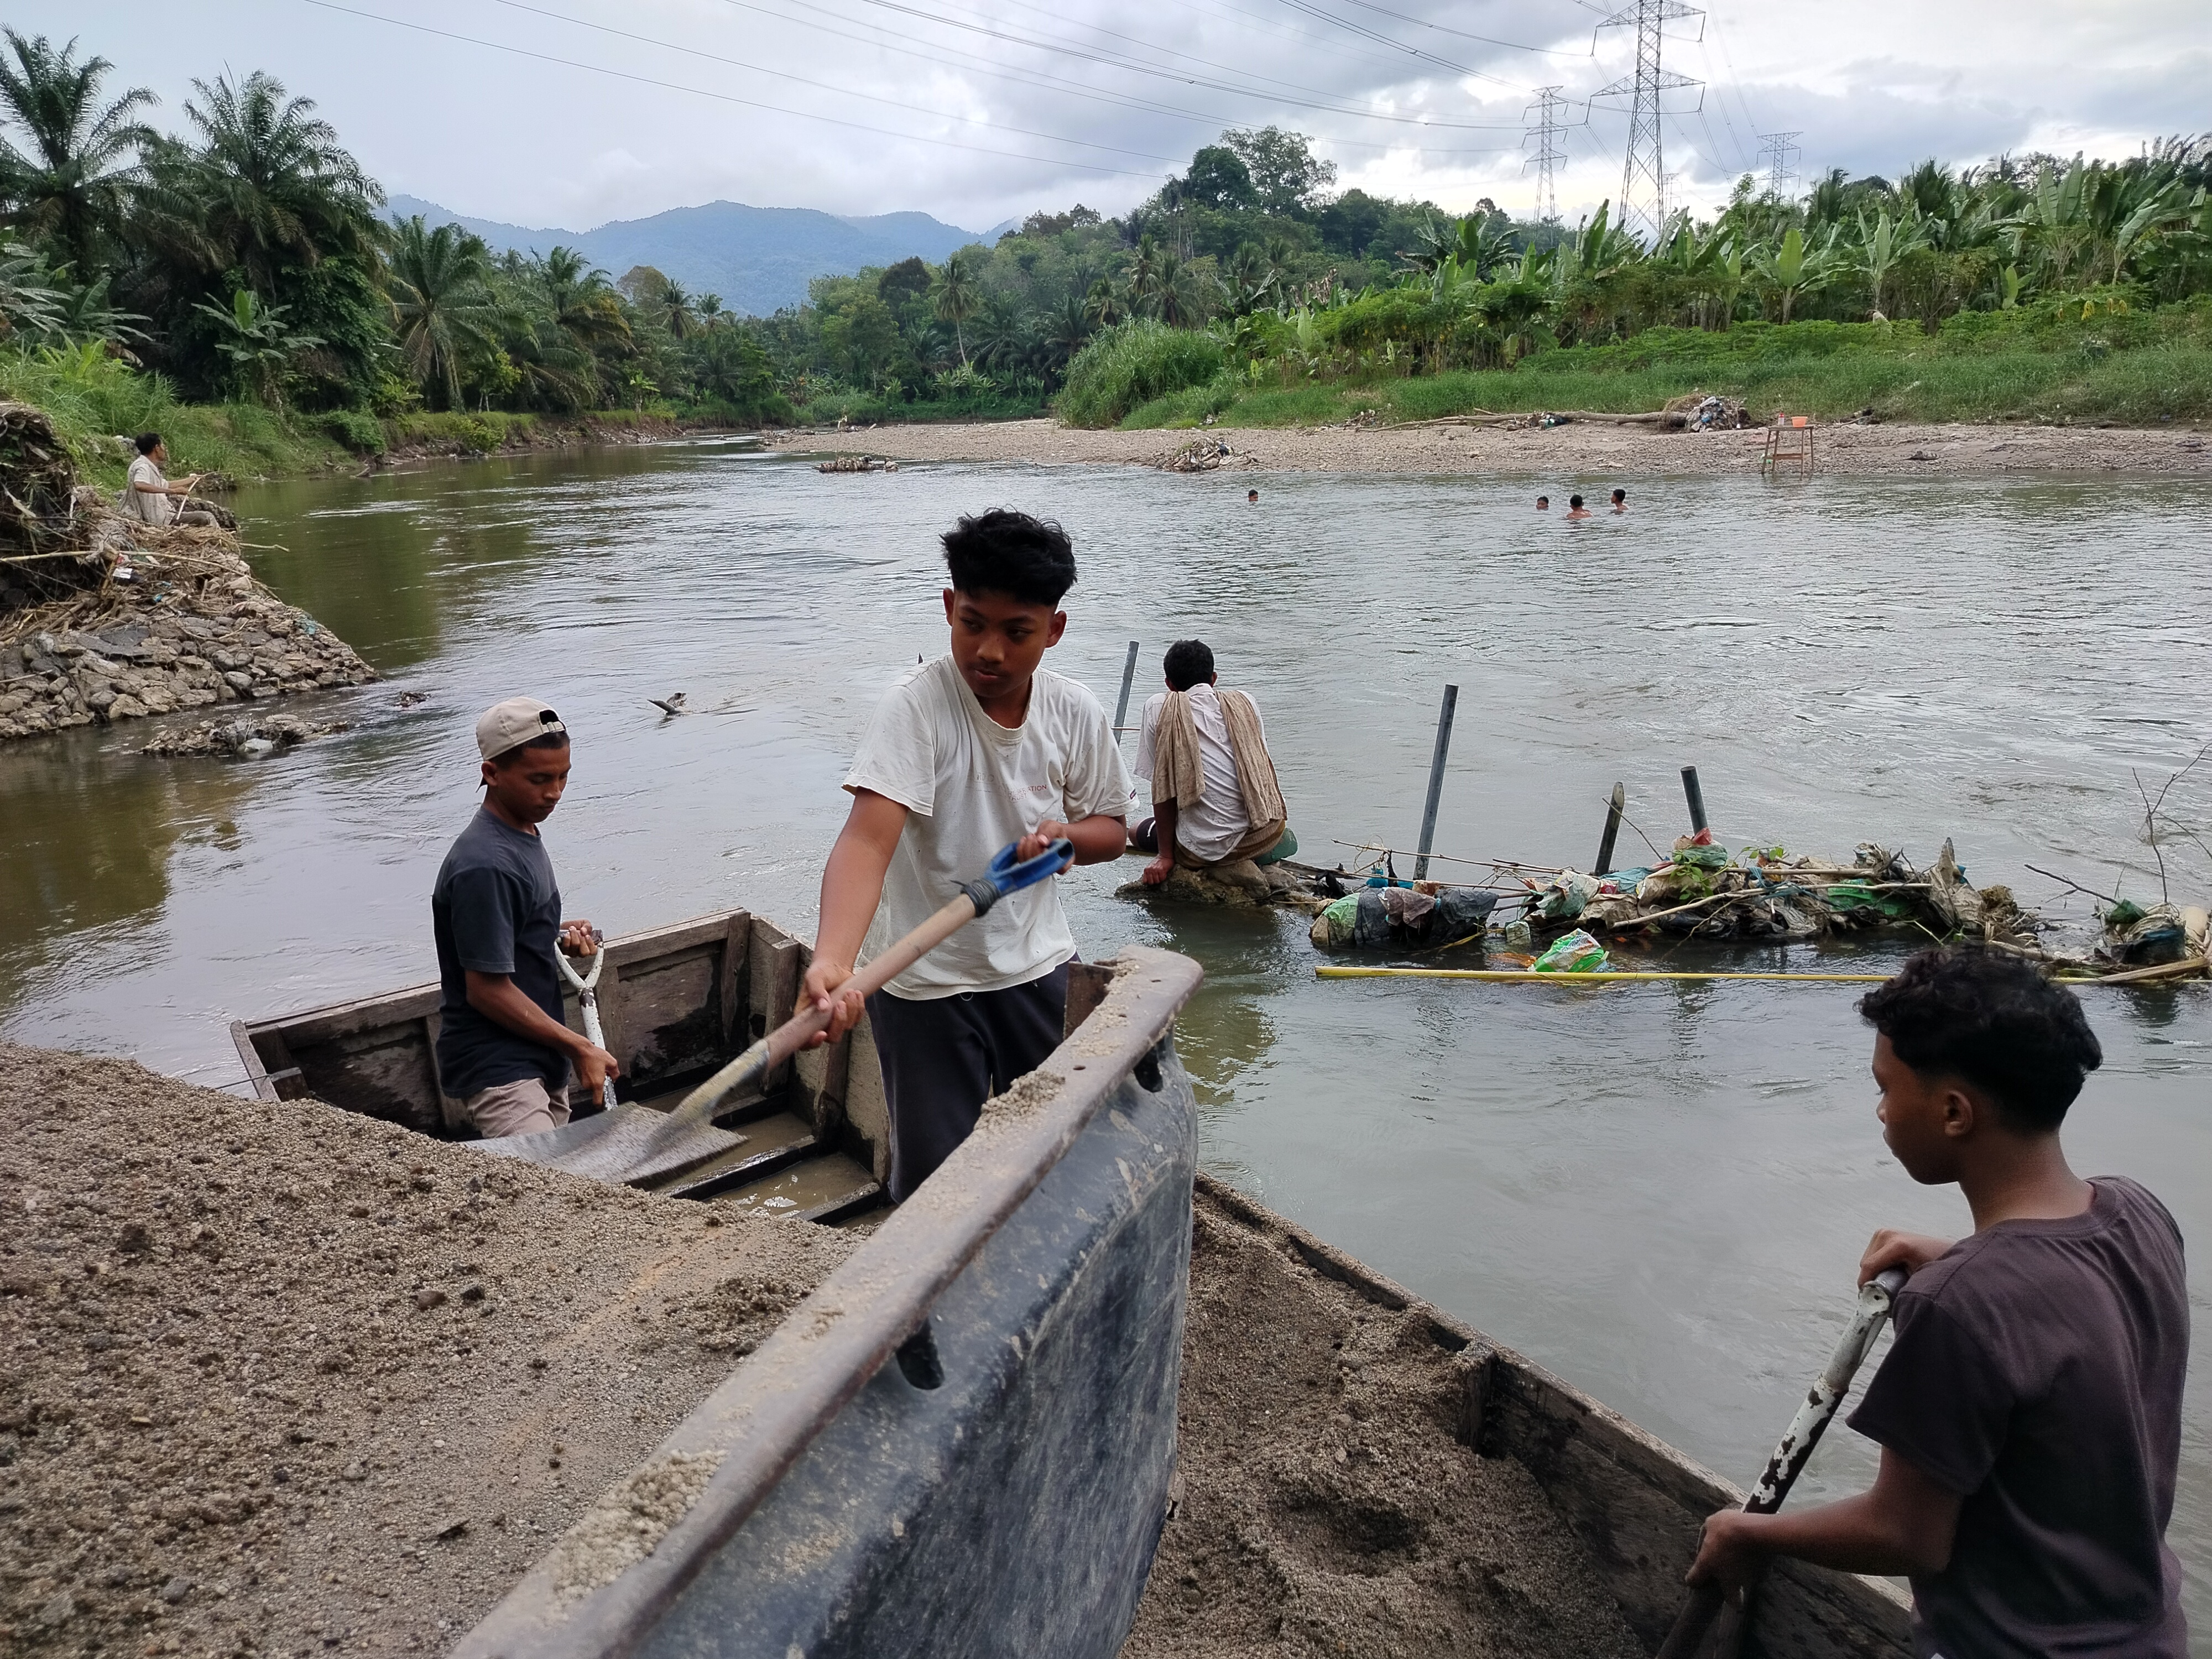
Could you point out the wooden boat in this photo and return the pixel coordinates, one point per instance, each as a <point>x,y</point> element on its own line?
<point>963,1442</point>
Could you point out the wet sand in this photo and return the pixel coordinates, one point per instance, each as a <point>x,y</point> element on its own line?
<point>1325,1506</point>
<point>1579,452</point>
<point>282,1379</point>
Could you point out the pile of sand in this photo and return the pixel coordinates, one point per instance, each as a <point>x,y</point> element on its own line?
<point>280,1379</point>
<point>1325,1507</point>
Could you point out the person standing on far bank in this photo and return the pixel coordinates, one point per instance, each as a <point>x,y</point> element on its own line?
<point>982,747</point>
<point>2029,1409</point>
<point>503,1050</point>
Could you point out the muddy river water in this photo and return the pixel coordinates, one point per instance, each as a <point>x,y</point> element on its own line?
<point>1659,1191</point>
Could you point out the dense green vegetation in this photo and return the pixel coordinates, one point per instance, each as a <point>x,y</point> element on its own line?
<point>237,285</point>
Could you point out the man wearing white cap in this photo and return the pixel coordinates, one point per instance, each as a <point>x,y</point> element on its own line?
<point>503,1048</point>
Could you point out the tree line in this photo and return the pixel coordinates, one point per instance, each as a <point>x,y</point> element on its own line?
<point>248,256</point>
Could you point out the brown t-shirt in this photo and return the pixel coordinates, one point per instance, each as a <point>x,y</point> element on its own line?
<point>2037,1372</point>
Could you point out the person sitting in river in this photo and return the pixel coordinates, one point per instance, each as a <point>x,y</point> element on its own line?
<point>1215,799</point>
<point>503,1051</point>
<point>2029,1409</point>
<point>1620,500</point>
<point>1575,507</point>
<point>151,498</point>
<point>1543,503</point>
<point>1251,498</point>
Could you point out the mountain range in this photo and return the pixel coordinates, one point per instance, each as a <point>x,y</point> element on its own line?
<point>757,259</point>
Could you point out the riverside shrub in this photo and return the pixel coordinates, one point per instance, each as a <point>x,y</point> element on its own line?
<point>1133,364</point>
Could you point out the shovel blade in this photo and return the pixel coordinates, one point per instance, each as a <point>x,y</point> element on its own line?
<point>632,1144</point>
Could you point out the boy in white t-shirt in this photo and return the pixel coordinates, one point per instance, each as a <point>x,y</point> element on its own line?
<point>982,747</point>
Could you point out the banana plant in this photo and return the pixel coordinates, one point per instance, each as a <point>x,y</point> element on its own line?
<point>1793,269</point>
<point>1882,245</point>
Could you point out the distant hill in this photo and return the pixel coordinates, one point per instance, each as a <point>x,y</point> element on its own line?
<point>758,259</point>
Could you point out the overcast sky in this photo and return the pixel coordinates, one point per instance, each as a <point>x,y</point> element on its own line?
<point>1040,103</point>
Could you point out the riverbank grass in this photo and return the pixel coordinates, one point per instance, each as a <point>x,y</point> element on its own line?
<point>2146,388</point>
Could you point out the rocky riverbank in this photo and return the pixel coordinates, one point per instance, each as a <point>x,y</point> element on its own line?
<point>192,628</point>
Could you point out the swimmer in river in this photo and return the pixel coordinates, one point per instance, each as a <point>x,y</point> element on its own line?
<point>1543,503</point>
<point>1252,496</point>
<point>1575,507</point>
<point>1620,500</point>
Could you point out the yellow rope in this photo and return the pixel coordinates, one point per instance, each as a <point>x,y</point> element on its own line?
<point>1529,977</point>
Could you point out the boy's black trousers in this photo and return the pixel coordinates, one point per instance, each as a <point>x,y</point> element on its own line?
<point>944,1058</point>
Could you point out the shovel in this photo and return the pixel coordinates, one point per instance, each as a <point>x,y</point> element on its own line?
<point>1796,1449</point>
<point>634,1144</point>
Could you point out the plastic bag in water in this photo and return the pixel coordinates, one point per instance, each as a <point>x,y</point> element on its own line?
<point>1572,953</point>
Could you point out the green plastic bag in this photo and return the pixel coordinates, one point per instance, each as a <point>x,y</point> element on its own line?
<point>1572,953</point>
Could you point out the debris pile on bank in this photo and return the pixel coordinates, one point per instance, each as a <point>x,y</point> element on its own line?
<point>285,1379</point>
<point>104,618</point>
<point>1199,455</point>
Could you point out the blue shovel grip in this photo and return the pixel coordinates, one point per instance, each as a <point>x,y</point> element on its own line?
<point>1008,876</point>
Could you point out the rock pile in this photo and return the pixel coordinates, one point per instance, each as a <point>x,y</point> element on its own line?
<point>247,739</point>
<point>192,628</point>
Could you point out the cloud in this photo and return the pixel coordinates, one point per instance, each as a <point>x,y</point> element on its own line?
<point>573,111</point>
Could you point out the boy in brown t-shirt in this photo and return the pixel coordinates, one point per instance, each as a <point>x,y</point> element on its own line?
<point>2029,1410</point>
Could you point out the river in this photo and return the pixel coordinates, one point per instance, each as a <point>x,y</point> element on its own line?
<point>1658,1191</point>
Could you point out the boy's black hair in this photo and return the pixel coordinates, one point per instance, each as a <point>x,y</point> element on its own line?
<point>1003,551</point>
<point>1574,500</point>
<point>1620,494</point>
<point>1189,662</point>
<point>1994,1022</point>
<point>148,442</point>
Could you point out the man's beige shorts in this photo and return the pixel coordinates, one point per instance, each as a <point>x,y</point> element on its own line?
<point>516,1109</point>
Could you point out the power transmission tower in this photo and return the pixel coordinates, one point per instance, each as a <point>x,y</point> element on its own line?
<point>1550,150</point>
<point>1780,152</point>
<point>1644,175</point>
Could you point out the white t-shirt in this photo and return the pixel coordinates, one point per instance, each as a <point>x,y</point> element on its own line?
<point>970,785</point>
<point>1215,826</point>
<point>149,509</point>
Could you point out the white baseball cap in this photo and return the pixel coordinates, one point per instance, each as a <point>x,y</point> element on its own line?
<point>509,724</point>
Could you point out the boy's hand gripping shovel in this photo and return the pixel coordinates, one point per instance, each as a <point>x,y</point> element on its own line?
<point>1795,1447</point>
<point>588,999</point>
<point>633,1143</point>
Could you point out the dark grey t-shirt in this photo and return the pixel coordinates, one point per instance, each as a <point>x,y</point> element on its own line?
<point>496,909</point>
<point>2037,1372</point>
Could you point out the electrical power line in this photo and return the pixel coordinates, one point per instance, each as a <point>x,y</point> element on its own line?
<point>826,86</point>
<point>881,34</point>
<point>1446,28</point>
<point>1644,172</point>
<point>721,97</point>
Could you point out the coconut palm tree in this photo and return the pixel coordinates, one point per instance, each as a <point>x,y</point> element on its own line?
<point>956,297</point>
<point>675,309</point>
<point>269,185</point>
<point>440,303</point>
<point>68,182</point>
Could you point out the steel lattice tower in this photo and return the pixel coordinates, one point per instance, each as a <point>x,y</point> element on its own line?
<point>1644,176</point>
<point>1550,151</point>
<point>1781,151</point>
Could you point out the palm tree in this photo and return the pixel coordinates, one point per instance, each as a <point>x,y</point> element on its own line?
<point>1144,273</point>
<point>29,302</point>
<point>70,184</point>
<point>1066,330</point>
<point>440,303</point>
<point>958,297</point>
<point>676,310</point>
<point>271,182</point>
<point>1102,305</point>
<point>710,311</point>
